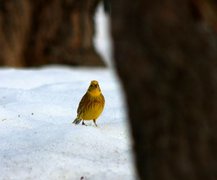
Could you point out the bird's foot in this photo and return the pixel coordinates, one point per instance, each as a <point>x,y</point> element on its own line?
<point>95,123</point>
<point>83,123</point>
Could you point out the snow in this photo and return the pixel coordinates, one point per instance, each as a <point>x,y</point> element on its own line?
<point>37,138</point>
<point>102,39</point>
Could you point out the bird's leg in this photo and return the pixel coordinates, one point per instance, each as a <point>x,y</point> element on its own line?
<point>94,120</point>
<point>83,123</point>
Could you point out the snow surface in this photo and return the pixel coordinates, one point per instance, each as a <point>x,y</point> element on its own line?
<point>38,139</point>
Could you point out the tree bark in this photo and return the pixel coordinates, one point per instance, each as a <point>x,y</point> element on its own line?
<point>35,33</point>
<point>166,55</point>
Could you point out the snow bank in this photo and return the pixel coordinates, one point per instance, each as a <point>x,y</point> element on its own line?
<point>37,138</point>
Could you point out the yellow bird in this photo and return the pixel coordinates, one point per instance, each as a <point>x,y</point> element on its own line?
<point>91,104</point>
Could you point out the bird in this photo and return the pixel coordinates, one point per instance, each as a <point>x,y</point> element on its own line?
<point>91,104</point>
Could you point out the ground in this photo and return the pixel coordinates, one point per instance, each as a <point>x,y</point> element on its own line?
<point>38,139</point>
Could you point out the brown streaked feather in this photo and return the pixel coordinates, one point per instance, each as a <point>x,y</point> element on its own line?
<point>88,102</point>
<point>83,102</point>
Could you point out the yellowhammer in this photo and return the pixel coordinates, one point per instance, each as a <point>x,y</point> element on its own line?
<point>91,104</point>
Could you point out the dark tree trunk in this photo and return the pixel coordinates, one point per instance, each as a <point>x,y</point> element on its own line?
<point>166,55</point>
<point>38,32</point>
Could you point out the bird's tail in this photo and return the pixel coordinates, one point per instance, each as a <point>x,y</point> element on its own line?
<point>76,121</point>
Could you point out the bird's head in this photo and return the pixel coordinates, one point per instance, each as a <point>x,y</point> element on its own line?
<point>94,88</point>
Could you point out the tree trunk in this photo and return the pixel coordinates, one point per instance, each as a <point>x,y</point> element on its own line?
<point>41,32</point>
<point>166,55</point>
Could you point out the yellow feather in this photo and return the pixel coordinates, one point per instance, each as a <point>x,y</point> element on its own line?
<point>91,104</point>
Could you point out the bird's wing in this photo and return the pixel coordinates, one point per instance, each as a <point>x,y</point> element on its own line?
<point>103,100</point>
<point>82,104</point>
